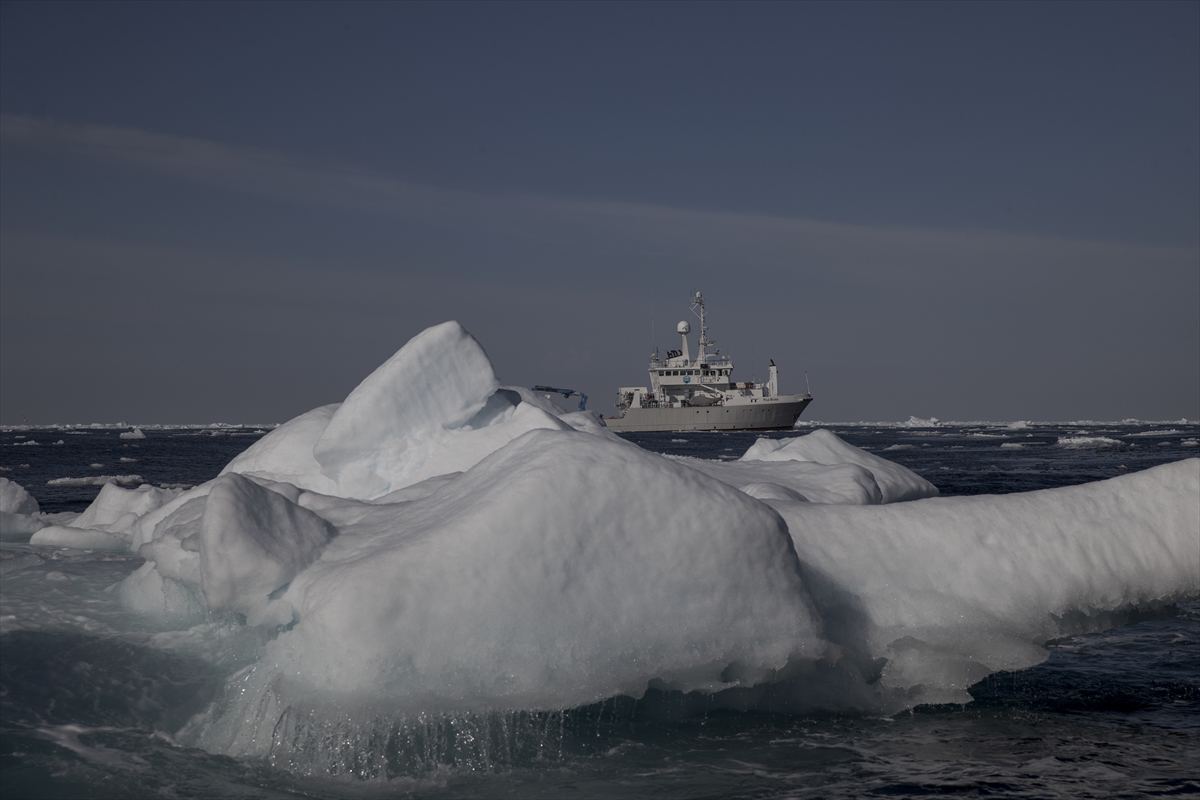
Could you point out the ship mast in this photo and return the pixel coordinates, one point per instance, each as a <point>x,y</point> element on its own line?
<point>704,342</point>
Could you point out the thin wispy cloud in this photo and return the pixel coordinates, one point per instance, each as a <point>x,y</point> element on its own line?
<point>859,299</point>
<point>521,215</point>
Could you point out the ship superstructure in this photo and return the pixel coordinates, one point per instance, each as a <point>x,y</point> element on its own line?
<point>688,394</point>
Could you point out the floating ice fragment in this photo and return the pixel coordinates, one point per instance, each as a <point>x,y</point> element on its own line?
<point>96,480</point>
<point>824,447</point>
<point>1078,442</point>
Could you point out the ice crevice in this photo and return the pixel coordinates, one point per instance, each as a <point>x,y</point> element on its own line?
<point>440,544</point>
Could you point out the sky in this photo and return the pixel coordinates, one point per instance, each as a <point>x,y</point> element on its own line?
<point>235,211</point>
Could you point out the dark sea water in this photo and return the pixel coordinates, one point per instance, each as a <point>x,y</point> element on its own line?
<point>88,703</point>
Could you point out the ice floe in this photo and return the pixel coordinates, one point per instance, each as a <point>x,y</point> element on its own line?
<point>97,480</point>
<point>440,543</point>
<point>1079,442</point>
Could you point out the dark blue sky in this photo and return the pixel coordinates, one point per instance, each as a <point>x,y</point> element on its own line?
<point>234,211</point>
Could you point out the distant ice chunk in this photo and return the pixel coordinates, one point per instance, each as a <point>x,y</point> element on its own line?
<point>896,483</point>
<point>136,433</point>
<point>1164,432</point>
<point>97,480</point>
<point>1086,442</point>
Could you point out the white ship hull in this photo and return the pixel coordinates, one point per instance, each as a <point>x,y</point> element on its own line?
<point>700,394</point>
<point>772,413</point>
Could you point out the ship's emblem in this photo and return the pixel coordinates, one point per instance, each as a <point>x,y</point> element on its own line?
<point>687,378</point>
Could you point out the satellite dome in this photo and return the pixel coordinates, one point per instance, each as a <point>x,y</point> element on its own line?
<point>683,328</point>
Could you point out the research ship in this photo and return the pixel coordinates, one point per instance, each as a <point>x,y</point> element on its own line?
<point>699,394</point>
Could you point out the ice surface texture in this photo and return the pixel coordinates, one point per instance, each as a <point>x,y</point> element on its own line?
<point>951,589</point>
<point>18,512</point>
<point>15,500</point>
<point>895,482</point>
<point>439,543</point>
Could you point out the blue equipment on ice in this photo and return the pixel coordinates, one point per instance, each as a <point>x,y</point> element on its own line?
<point>565,393</point>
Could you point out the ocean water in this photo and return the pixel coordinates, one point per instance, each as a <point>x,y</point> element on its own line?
<point>90,697</point>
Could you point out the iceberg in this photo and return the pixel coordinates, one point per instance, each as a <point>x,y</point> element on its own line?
<point>439,543</point>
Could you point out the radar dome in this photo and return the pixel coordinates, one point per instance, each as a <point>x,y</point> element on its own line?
<point>683,327</point>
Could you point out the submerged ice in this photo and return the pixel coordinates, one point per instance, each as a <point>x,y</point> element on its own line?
<point>440,543</point>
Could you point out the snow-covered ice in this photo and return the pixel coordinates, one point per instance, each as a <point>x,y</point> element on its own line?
<point>19,512</point>
<point>896,483</point>
<point>951,589</point>
<point>15,500</point>
<point>440,543</point>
